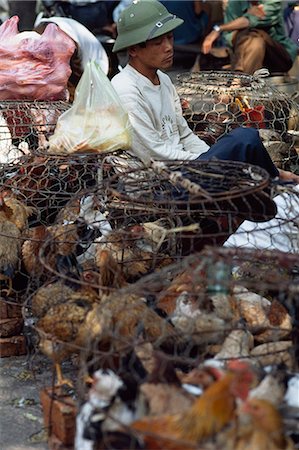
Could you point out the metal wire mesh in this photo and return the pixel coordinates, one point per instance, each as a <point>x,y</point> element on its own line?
<point>218,305</point>
<point>215,102</point>
<point>104,278</point>
<point>25,126</point>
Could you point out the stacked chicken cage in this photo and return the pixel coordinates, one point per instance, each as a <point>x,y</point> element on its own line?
<point>216,102</point>
<point>153,345</point>
<point>26,126</point>
<point>108,261</point>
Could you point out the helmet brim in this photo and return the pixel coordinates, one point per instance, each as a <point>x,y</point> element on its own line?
<point>122,44</point>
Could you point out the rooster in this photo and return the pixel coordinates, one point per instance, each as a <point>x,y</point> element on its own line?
<point>265,430</point>
<point>209,414</point>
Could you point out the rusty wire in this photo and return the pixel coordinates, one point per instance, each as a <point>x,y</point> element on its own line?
<point>214,103</point>
<point>25,126</point>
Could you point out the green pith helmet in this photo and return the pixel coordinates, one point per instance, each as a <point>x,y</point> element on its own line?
<point>141,21</point>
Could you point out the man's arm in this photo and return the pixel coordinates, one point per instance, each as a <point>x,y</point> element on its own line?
<point>261,15</point>
<point>238,24</point>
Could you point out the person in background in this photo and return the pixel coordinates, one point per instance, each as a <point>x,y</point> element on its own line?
<point>195,20</point>
<point>122,4</point>
<point>291,20</point>
<point>26,11</point>
<point>88,48</point>
<point>160,131</point>
<point>255,32</point>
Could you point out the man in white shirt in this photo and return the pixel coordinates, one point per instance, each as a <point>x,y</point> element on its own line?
<point>160,131</point>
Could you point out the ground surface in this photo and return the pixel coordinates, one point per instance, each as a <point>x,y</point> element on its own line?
<point>21,421</point>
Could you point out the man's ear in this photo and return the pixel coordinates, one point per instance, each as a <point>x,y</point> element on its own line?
<point>132,51</point>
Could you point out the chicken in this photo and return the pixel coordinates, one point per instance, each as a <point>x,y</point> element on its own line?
<point>207,416</point>
<point>13,222</point>
<point>62,328</point>
<point>237,344</point>
<point>58,292</point>
<point>113,402</point>
<point>123,319</point>
<point>130,248</point>
<point>188,283</point>
<point>163,389</point>
<point>202,377</point>
<point>110,272</point>
<point>55,244</point>
<point>265,430</point>
<point>272,387</point>
<point>104,327</point>
<point>47,182</point>
<point>9,152</point>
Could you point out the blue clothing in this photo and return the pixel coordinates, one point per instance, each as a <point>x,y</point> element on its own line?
<point>193,28</point>
<point>291,20</point>
<point>244,145</point>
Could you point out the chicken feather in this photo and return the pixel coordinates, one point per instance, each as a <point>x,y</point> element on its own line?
<point>207,416</point>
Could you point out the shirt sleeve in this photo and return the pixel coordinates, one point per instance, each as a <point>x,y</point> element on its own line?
<point>272,9</point>
<point>190,141</point>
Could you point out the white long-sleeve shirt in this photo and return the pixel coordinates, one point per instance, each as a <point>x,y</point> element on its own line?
<point>160,132</point>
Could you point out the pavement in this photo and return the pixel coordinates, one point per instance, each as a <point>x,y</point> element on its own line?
<point>21,423</point>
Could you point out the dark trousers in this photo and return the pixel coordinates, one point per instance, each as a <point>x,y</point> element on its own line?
<point>244,145</point>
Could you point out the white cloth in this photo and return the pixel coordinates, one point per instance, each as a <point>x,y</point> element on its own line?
<point>280,233</point>
<point>160,132</point>
<point>89,48</point>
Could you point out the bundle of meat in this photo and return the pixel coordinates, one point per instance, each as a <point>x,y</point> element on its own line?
<point>33,66</point>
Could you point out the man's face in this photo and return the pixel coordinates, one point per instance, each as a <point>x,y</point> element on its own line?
<point>157,54</point>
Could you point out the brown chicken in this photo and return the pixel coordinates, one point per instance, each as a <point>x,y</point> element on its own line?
<point>209,414</point>
<point>107,325</point>
<point>61,326</point>
<point>55,244</point>
<point>265,431</point>
<point>110,271</point>
<point>123,319</point>
<point>163,389</point>
<point>13,221</point>
<point>130,249</point>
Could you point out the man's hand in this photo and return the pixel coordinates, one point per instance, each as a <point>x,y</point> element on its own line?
<point>257,11</point>
<point>209,41</point>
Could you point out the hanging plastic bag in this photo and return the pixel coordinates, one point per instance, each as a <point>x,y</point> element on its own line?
<point>33,66</point>
<point>96,122</point>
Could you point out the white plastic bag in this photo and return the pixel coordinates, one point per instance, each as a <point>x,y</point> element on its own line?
<point>96,122</point>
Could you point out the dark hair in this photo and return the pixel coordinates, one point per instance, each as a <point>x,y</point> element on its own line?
<point>142,45</point>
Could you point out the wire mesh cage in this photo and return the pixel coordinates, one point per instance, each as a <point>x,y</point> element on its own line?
<point>75,208</point>
<point>212,307</point>
<point>26,125</point>
<point>104,291</point>
<point>46,183</point>
<point>215,102</point>
<point>99,249</point>
<point>148,217</point>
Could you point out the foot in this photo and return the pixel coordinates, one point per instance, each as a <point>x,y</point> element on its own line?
<point>285,175</point>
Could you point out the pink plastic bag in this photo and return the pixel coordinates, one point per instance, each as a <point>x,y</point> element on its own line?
<point>32,66</point>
